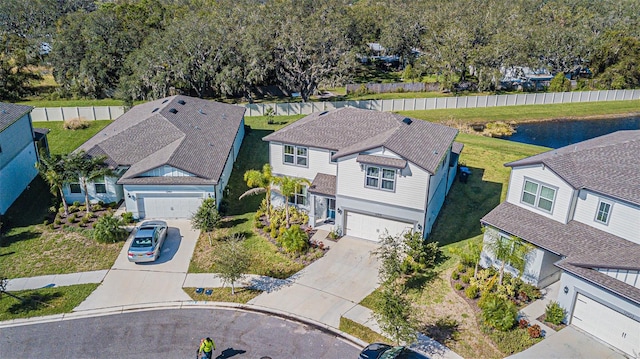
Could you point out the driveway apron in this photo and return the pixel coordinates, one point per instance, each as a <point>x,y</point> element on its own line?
<point>160,281</point>
<point>330,286</point>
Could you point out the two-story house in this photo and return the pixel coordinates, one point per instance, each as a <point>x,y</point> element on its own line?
<point>579,206</point>
<point>370,171</point>
<point>18,154</point>
<point>167,156</point>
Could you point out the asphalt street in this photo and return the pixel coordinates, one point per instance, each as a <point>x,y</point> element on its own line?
<point>173,333</point>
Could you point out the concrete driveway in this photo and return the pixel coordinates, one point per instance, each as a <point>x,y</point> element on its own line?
<point>569,343</point>
<point>330,286</point>
<point>129,283</point>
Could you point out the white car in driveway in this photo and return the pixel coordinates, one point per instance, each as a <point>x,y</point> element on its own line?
<point>148,241</point>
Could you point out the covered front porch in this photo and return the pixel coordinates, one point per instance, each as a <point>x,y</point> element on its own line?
<point>322,201</point>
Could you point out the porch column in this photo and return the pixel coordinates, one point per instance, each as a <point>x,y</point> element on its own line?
<point>312,210</point>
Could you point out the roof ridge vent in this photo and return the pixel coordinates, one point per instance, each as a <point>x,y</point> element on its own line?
<point>155,109</point>
<point>407,120</point>
<point>182,102</point>
<point>165,101</point>
<point>173,110</point>
<point>323,113</point>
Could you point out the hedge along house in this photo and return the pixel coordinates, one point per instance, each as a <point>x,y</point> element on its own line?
<point>579,206</point>
<point>370,171</point>
<point>167,156</point>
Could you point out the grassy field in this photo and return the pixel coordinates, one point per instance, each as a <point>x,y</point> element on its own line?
<point>530,112</point>
<point>63,141</point>
<point>46,301</point>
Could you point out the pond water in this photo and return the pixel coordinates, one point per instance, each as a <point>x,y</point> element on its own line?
<point>556,134</point>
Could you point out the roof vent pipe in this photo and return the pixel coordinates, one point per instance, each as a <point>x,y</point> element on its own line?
<point>407,120</point>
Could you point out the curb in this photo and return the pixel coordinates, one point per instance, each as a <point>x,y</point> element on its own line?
<point>351,340</point>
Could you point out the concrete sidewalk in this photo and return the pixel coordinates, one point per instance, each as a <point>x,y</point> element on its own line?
<point>56,280</point>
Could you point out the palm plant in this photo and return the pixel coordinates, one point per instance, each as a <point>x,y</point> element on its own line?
<point>87,169</point>
<point>260,182</point>
<point>289,186</point>
<point>55,172</point>
<point>508,250</point>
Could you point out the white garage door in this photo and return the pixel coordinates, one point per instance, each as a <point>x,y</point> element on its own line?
<point>163,206</point>
<point>607,324</point>
<point>371,227</point>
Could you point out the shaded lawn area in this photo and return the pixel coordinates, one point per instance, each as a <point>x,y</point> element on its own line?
<point>530,112</point>
<point>266,260</point>
<point>46,301</point>
<point>63,141</point>
<point>242,295</point>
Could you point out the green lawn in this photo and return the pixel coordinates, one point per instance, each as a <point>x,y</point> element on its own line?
<point>63,141</point>
<point>530,112</point>
<point>46,301</point>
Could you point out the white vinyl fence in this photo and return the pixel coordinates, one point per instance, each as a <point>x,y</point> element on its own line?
<point>412,104</point>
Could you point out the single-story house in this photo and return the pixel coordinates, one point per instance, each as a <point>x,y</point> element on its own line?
<point>18,153</point>
<point>167,156</point>
<point>370,171</point>
<point>579,206</point>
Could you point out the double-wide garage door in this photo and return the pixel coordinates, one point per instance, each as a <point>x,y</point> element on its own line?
<point>607,324</point>
<point>372,227</point>
<point>163,206</point>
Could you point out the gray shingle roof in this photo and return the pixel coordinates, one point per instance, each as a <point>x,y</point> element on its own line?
<point>583,246</point>
<point>351,130</point>
<point>10,113</point>
<point>382,161</point>
<point>457,147</point>
<point>608,164</point>
<point>323,184</point>
<point>197,138</point>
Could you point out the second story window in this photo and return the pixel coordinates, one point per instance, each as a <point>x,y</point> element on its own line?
<point>604,209</point>
<point>296,155</point>
<point>538,195</point>
<point>381,178</point>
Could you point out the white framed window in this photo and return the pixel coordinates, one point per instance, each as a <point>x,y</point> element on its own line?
<point>604,212</point>
<point>75,188</point>
<point>331,154</point>
<point>380,178</point>
<point>100,187</point>
<point>296,155</point>
<point>300,197</point>
<point>538,195</point>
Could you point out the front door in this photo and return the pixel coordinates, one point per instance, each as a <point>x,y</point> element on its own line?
<point>331,208</point>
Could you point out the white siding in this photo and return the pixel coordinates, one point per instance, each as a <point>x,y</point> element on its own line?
<point>410,188</point>
<point>564,192</point>
<point>624,219</point>
<point>114,192</point>
<point>631,277</point>
<point>166,171</point>
<point>318,162</point>
<point>16,175</point>
<point>133,192</point>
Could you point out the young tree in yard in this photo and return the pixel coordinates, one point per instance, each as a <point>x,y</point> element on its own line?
<point>260,182</point>
<point>3,288</point>
<point>54,171</point>
<point>470,254</point>
<point>109,228</point>
<point>508,250</point>
<point>87,169</point>
<point>207,218</point>
<point>288,187</point>
<point>394,315</point>
<point>232,260</point>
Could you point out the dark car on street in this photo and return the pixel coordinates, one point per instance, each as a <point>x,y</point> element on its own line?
<point>385,351</point>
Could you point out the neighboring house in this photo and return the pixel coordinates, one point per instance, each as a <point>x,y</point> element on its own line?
<point>579,206</point>
<point>370,171</point>
<point>167,156</point>
<point>18,154</point>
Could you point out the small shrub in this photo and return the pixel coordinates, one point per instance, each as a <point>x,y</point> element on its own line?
<point>127,217</point>
<point>273,233</point>
<point>532,292</point>
<point>455,275</point>
<point>465,279</point>
<point>523,323</point>
<point>555,313</point>
<point>458,286</point>
<point>57,221</point>
<point>108,228</point>
<point>53,209</point>
<point>96,207</point>
<point>72,208</point>
<point>89,215</point>
<point>534,331</point>
<point>497,312</point>
<point>72,218</point>
<point>76,203</point>
<point>77,123</point>
<point>461,268</point>
<point>82,208</point>
<point>294,239</point>
<point>472,292</point>
<point>61,210</point>
<point>84,221</point>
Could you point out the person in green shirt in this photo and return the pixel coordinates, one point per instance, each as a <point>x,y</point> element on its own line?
<point>207,346</point>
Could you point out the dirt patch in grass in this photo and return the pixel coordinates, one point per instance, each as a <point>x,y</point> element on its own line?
<point>441,304</point>
<point>242,295</point>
